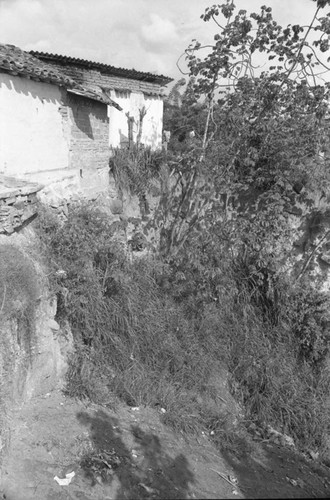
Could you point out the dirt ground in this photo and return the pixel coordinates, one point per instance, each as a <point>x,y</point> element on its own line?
<point>126,453</point>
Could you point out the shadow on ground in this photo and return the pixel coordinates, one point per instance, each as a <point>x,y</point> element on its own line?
<point>132,461</point>
<point>272,471</point>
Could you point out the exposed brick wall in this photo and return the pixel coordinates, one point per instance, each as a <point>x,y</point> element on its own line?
<point>95,79</point>
<point>89,132</point>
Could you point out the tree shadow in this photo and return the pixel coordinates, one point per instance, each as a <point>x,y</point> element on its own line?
<point>273,471</point>
<point>145,471</point>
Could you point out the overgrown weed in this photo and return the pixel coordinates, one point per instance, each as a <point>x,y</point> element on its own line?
<point>136,169</point>
<point>153,334</point>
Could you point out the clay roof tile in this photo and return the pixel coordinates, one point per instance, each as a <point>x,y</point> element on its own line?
<point>106,68</point>
<point>17,62</point>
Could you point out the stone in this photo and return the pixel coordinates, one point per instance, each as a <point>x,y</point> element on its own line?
<point>6,193</point>
<point>55,202</point>
<point>4,210</point>
<point>17,222</point>
<point>116,206</point>
<point>53,325</point>
<point>28,213</point>
<point>32,198</point>
<point>325,257</point>
<point>65,210</point>
<point>8,228</point>
<point>30,189</point>
<point>10,201</point>
<point>19,205</point>
<point>21,198</point>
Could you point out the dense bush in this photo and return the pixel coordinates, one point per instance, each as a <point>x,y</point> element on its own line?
<point>132,339</point>
<point>273,336</point>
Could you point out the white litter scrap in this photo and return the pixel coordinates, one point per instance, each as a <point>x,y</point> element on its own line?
<point>65,481</point>
<point>292,481</point>
<point>148,490</point>
<point>278,437</point>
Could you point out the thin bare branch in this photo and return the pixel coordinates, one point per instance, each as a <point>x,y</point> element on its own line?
<point>216,22</point>
<point>302,44</point>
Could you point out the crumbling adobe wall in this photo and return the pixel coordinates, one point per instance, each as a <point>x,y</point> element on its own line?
<point>18,203</point>
<point>125,210</point>
<point>33,348</point>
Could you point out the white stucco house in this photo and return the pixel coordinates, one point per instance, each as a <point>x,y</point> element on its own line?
<point>133,90</point>
<point>60,116</point>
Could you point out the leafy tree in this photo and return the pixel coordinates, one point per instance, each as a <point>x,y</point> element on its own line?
<point>264,145</point>
<point>183,116</point>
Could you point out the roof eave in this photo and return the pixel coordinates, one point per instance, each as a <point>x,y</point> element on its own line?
<point>111,70</point>
<point>104,99</point>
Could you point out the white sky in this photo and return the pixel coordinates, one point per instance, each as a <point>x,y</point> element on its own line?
<point>147,35</point>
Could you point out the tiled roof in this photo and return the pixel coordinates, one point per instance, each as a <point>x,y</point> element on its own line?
<point>17,62</point>
<point>104,68</point>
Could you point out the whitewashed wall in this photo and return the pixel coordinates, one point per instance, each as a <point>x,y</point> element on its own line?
<point>46,138</point>
<point>153,122</point>
<point>32,139</point>
<point>133,102</point>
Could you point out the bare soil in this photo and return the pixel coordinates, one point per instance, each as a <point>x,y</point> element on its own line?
<point>126,453</point>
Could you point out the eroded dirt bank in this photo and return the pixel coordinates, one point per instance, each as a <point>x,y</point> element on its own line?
<point>123,453</point>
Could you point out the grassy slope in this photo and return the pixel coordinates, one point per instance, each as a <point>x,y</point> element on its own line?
<point>139,339</point>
